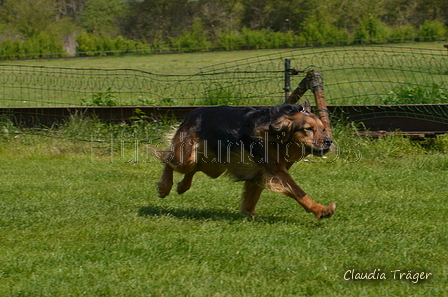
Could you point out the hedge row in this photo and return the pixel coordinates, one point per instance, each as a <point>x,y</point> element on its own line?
<point>315,33</point>
<point>42,45</point>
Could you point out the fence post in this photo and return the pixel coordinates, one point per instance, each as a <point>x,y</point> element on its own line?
<point>287,87</point>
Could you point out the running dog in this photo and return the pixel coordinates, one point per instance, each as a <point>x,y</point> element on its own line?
<point>257,146</point>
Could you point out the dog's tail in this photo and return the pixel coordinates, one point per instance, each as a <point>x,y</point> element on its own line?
<point>182,152</point>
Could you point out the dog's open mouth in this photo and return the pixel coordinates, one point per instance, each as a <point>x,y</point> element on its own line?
<point>319,150</point>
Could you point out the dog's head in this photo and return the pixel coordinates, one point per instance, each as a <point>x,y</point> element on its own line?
<point>301,129</point>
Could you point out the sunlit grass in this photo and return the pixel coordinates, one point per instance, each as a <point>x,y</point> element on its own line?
<point>74,221</point>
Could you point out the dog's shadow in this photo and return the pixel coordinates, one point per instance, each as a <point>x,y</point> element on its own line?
<point>220,215</point>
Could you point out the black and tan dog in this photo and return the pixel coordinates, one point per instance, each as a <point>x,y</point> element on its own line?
<point>257,146</point>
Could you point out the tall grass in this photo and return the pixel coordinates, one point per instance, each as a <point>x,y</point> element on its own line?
<point>79,218</point>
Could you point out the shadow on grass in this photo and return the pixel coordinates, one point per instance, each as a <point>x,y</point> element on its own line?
<point>221,215</point>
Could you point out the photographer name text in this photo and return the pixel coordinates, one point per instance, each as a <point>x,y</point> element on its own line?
<point>397,274</point>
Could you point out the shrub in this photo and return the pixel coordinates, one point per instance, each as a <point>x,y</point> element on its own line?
<point>281,40</point>
<point>106,98</point>
<point>92,45</point>
<point>417,95</point>
<point>158,45</point>
<point>254,39</point>
<point>108,45</point>
<point>317,31</point>
<point>193,39</point>
<point>230,40</point>
<point>124,45</point>
<point>218,95</point>
<point>86,44</point>
<point>42,45</point>
<point>371,30</point>
<point>432,30</point>
<point>402,33</point>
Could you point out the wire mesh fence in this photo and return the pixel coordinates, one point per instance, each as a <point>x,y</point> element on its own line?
<point>387,88</point>
<point>368,75</point>
<point>364,75</point>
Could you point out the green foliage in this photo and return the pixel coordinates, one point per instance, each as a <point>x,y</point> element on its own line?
<point>86,44</point>
<point>41,45</point>
<point>257,39</point>
<point>92,45</point>
<point>371,30</point>
<point>282,40</point>
<point>218,95</point>
<point>7,128</point>
<point>432,30</point>
<point>417,95</point>
<point>402,33</point>
<point>146,101</point>
<point>108,45</point>
<point>106,98</point>
<point>192,40</point>
<point>230,40</point>
<point>100,16</point>
<point>188,26</point>
<point>11,49</point>
<point>28,17</point>
<point>317,31</point>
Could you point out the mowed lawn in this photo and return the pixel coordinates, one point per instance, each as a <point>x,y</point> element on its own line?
<point>74,222</point>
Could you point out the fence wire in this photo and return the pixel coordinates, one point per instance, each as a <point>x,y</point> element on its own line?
<point>368,75</point>
<point>362,79</point>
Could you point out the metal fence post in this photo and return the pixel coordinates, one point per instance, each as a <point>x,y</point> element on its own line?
<point>287,87</point>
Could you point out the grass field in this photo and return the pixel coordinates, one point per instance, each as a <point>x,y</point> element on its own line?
<point>83,219</point>
<point>177,63</point>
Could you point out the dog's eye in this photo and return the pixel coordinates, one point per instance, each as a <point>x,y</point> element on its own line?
<point>309,129</point>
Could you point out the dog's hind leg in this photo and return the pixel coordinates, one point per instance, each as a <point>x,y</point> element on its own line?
<point>166,182</point>
<point>185,184</point>
<point>251,194</point>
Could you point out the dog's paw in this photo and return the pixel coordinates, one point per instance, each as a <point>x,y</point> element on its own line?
<point>248,212</point>
<point>182,187</point>
<point>326,212</point>
<point>163,189</point>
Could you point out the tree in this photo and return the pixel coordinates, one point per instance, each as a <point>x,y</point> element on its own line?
<point>219,15</point>
<point>100,16</point>
<point>276,15</point>
<point>28,17</point>
<point>70,8</point>
<point>152,20</point>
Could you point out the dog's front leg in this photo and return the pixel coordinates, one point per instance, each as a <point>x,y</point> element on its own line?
<point>282,182</point>
<point>251,194</point>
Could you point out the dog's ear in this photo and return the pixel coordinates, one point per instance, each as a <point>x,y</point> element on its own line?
<point>306,106</point>
<point>280,129</point>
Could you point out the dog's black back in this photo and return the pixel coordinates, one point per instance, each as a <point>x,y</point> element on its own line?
<point>226,127</point>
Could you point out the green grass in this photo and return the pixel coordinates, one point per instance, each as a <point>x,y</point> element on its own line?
<point>75,220</point>
<point>187,63</point>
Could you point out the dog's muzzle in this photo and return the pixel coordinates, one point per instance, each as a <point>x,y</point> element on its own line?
<point>328,142</point>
